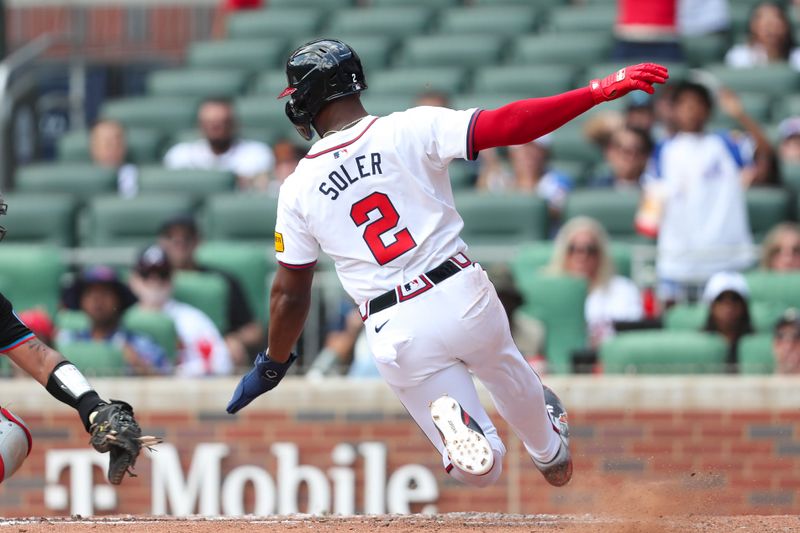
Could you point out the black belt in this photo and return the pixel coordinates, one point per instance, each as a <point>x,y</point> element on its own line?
<point>414,288</point>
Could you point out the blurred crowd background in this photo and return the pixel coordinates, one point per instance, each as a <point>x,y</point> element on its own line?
<point>654,234</point>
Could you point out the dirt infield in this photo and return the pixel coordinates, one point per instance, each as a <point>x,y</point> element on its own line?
<point>447,523</point>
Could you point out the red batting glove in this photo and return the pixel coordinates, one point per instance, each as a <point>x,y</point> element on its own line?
<point>625,80</point>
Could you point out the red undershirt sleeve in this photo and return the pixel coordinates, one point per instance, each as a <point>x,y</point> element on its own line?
<point>523,121</point>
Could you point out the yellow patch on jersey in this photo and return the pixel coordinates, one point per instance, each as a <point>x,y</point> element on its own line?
<point>278,242</point>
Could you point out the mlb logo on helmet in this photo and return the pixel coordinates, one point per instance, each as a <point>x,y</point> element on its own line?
<point>15,443</point>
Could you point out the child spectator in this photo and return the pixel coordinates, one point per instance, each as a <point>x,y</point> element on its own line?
<point>726,295</point>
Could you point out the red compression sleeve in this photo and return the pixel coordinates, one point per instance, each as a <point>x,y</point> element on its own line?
<point>525,120</point>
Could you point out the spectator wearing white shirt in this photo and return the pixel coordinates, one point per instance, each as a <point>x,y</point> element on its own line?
<point>221,149</point>
<point>108,148</point>
<point>769,40</point>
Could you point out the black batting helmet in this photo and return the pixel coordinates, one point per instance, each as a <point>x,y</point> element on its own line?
<point>319,72</point>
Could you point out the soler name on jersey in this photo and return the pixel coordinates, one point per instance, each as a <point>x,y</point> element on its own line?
<point>341,178</point>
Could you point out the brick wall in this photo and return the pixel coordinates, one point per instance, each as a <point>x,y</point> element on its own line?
<point>718,445</point>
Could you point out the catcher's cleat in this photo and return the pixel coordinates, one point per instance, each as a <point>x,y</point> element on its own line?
<point>557,471</point>
<point>463,438</point>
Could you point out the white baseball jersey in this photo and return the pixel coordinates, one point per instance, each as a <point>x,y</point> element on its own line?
<point>376,198</point>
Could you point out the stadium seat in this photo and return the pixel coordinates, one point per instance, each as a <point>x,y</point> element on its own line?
<point>241,217</point>
<point>614,209</point>
<point>193,182</point>
<point>30,275</point>
<point>597,17</point>
<point>578,171</point>
<point>328,4</point>
<point>511,20</point>
<point>95,358</point>
<point>413,81</point>
<point>262,111</point>
<point>577,49</point>
<point>428,3</point>
<point>763,316</point>
<point>500,218</point>
<point>144,145</point>
<point>375,50</point>
<point>67,320</point>
<point>115,221</point>
<point>270,83</point>
<point>40,218</point>
<point>462,174</point>
<point>532,257</point>
<point>382,105</point>
<point>790,176</point>
<point>757,105</point>
<point>206,291</point>
<point>487,100</point>
<point>704,50</point>
<point>536,80</point>
<point>158,326</point>
<point>664,352</point>
<point>775,287</point>
<point>787,106</point>
<point>558,301</point>
<point>775,80</point>
<point>274,22</point>
<point>81,180</point>
<point>766,207</point>
<point>546,4</point>
<point>5,367</point>
<point>162,113</point>
<point>244,54</point>
<point>755,354</point>
<point>197,83</point>
<point>248,263</point>
<point>451,50</point>
<point>569,142</point>
<point>393,21</point>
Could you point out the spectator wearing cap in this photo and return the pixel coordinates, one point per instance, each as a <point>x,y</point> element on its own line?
<point>789,147</point>
<point>179,238</point>
<point>726,295</point>
<point>100,294</point>
<point>201,349</point>
<point>786,343</point>
<point>627,156</point>
<point>109,148</point>
<point>222,149</point>
<point>781,248</point>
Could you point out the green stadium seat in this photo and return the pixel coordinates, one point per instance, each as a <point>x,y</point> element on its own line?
<point>541,4</point>
<point>755,354</point>
<point>382,105</point>
<point>115,221</point>
<point>67,320</point>
<point>534,81</point>
<point>248,263</point>
<point>531,258</point>
<point>705,49</point>
<point>558,301</point>
<point>40,218</point>
<point>207,291</point>
<point>158,326</point>
<point>485,100</point>
<point>462,174</point>
<point>774,287</point>
<point>511,20</point>
<point>241,217</point>
<point>244,54</point>
<point>161,113</point>
<point>270,83</point>
<point>763,316</point>
<point>144,145</point>
<point>569,142</point>
<point>280,22</point>
<point>197,83</point>
<point>262,111</point>
<point>501,218</point>
<point>413,81</point>
<point>30,275</point>
<point>82,180</point>
<point>470,51</point>
<point>757,105</point>
<point>790,176</point>
<point>787,106</point>
<point>95,358</point>
<point>193,182</point>
<point>324,4</point>
<point>664,352</point>
<point>766,207</point>
<point>614,209</point>
<point>775,80</point>
<point>577,49</point>
<point>578,171</point>
<point>375,50</point>
<point>427,3</point>
<point>599,17</point>
<point>5,367</point>
<point>392,21</point>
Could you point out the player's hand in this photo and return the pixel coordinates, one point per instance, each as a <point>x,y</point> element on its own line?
<point>625,80</point>
<point>265,376</point>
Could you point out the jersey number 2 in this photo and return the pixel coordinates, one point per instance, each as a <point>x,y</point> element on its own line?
<point>403,241</point>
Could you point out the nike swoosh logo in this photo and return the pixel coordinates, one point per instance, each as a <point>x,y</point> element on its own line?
<point>379,328</point>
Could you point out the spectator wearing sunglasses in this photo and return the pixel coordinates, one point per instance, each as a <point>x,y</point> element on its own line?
<point>781,249</point>
<point>201,348</point>
<point>726,294</point>
<point>626,156</point>
<point>786,343</point>
<point>582,249</point>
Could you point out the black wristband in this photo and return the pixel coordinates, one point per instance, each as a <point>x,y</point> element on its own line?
<point>66,384</point>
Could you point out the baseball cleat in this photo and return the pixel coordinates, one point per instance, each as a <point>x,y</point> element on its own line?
<point>463,438</point>
<point>557,471</point>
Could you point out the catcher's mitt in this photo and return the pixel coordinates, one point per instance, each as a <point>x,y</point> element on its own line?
<point>114,429</point>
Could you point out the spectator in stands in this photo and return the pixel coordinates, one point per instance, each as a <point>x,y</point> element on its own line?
<point>100,294</point>
<point>647,30</point>
<point>221,149</point>
<point>781,248</point>
<point>789,148</point>
<point>287,156</point>
<point>769,40</point>
<point>179,238</point>
<point>726,294</point>
<point>108,148</point>
<point>626,155</point>
<point>786,343</point>
<point>699,197</point>
<point>202,350</point>
<point>640,112</point>
<point>346,351</point>
<point>582,249</point>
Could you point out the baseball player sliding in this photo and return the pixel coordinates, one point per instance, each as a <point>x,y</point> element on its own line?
<point>374,194</point>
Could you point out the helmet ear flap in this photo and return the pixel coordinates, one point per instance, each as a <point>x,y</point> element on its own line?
<point>301,119</point>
